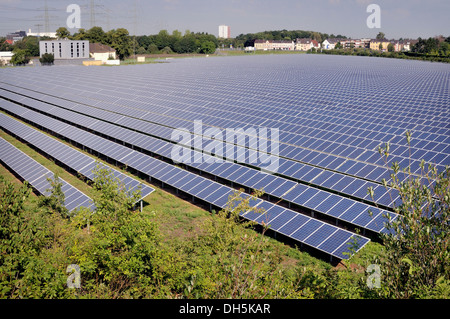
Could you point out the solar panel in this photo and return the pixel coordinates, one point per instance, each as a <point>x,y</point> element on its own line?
<point>58,150</point>
<point>37,175</point>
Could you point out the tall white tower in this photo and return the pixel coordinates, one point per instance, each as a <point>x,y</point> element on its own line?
<point>224,32</point>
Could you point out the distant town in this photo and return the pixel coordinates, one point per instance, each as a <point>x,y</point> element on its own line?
<point>95,46</point>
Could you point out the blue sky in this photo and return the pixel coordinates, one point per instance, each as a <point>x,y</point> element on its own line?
<point>399,18</point>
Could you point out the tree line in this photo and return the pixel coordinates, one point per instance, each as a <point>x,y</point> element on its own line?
<point>163,42</point>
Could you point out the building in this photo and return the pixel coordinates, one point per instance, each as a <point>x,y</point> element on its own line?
<point>375,44</point>
<point>315,44</point>
<point>224,32</point>
<point>102,52</point>
<point>15,36</point>
<point>65,49</point>
<point>5,57</point>
<point>285,45</point>
<point>42,34</point>
<point>303,44</point>
<point>329,44</point>
<point>263,45</point>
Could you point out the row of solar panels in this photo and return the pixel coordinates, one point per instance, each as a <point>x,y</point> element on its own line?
<point>322,236</point>
<point>143,82</point>
<point>333,181</point>
<point>376,130</point>
<point>333,205</point>
<point>336,140</point>
<point>78,161</point>
<point>315,151</point>
<point>38,176</point>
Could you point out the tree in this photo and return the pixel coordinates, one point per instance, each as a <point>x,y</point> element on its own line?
<point>208,47</point>
<point>62,33</point>
<point>380,36</point>
<point>417,263</point>
<point>20,57</point>
<point>80,35</point>
<point>47,59</point>
<point>122,245</point>
<point>152,48</point>
<point>96,35</point>
<point>120,40</point>
<point>391,47</point>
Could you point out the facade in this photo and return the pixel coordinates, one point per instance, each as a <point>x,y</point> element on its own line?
<point>224,32</point>
<point>303,44</point>
<point>355,43</point>
<point>65,49</point>
<point>263,45</point>
<point>284,45</point>
<point>102,52</point>
<point>375,44</point>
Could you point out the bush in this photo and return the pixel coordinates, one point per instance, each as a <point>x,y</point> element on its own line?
<point>417,263</point>
<point>166,50</point>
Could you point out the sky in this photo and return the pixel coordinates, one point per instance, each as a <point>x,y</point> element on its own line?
<point>398,18</point>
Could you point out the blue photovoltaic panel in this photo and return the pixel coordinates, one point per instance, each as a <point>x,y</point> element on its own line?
<point>38,176</point>
<point>58,150</point>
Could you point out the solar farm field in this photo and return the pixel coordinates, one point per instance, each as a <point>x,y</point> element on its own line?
<point>306,129</point>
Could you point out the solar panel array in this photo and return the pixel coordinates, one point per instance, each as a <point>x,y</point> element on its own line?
<point>332,114</point>
<point>77,161</point>
<point>330,239</point>
<point>37,175</point>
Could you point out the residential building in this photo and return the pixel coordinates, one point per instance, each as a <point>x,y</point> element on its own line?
<point>224,32</point>
<point>330,44</point>
<point>315,44</point>
<point>65,49</point>
<point>303,44</point>
<point>263,45</point>
<point>102,52</point>
<point>375,44</point>
<point>405,45</point>
<point>285,45</point>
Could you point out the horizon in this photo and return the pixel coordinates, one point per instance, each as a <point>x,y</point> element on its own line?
<point>399,19</point>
